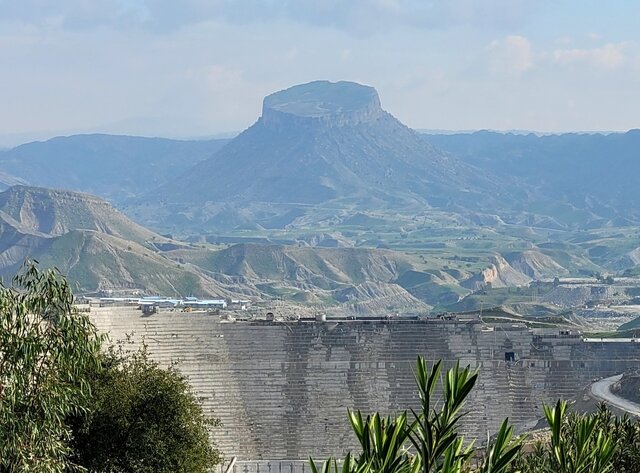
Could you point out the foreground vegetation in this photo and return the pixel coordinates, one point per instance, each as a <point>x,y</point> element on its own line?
<point>428,441</point>
<point>67,405</point>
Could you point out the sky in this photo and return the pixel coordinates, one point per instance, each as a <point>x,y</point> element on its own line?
<point>196,68</point>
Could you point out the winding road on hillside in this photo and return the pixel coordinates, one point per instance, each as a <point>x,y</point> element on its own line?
<point>602,390</point>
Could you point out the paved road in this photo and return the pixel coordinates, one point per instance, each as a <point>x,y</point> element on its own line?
<point>602,390</point>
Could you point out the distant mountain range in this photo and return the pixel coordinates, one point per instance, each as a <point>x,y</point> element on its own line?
<point>114,167</point>
<point>321,143</point>
<point>577,178</point>
<point>331,144</point>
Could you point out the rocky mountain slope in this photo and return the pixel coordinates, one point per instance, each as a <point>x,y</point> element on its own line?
<point>50,212</point>
<point>96,261</point>
<point>362,277</point>
<point>96,246</point>
<point>365,279</point>
<point>99,248</point>
<point>319,266</point>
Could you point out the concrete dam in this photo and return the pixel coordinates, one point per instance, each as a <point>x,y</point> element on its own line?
<point>282,389</point>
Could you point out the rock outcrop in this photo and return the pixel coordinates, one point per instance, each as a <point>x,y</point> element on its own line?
<point>628,387</point>
<point>498,274</point>
<point>535,264</point>
<point>321,103</point>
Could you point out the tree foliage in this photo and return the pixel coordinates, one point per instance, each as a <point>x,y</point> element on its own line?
<point>433,433</point>
<point>65,405</point>
<point>46,349</point>
<point>430,443</point>
<point>144,418</point>
<point>612,444</point>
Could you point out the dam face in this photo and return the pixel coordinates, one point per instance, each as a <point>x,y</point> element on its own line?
<point>282,389</point>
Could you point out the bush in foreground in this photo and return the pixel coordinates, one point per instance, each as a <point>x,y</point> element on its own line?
<point>66,406</point>
<point>432,432</point>
<point>429,442</point>
<point>143,418</point>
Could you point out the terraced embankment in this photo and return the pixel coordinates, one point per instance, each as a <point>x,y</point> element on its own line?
<point>282,390</point>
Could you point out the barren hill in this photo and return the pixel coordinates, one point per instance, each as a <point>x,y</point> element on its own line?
<point>96,246</point>
<point>535,264</point>
<point>99,248</point>
<point>50,212</point>
<point>373,279</point>
<point>97,261</point>
<point>318,265</point>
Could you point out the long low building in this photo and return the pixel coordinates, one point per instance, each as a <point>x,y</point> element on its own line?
<point>162,302</point>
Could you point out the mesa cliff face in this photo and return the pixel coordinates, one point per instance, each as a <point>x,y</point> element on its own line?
<point>321,103</point>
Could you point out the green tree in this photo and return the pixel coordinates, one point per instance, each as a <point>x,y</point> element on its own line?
<point>144,418</point>
<point>46,349</point>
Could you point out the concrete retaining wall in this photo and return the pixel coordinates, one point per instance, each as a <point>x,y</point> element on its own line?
<point>282,390</point>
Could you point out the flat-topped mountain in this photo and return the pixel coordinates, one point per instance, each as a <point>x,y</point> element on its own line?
<point>325,141</point>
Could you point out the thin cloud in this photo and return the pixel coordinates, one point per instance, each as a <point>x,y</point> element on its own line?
<point>69,14</point>
<point>354,16</point>
<point>513,54</point>
<point>608,56</point>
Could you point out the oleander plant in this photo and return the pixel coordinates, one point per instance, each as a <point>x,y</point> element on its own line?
<point>427,440</point>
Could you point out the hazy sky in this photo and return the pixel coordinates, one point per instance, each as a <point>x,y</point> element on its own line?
<point>200,67</point>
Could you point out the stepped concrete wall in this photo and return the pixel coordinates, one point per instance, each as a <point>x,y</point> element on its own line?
<point>282,390</point>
